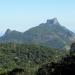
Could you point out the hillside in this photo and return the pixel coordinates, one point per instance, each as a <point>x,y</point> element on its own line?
<point>66,66</point>
<point>28,57</point>
<point>50,34</point>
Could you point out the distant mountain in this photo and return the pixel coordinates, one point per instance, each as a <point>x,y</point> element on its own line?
<point>51,34</point>
<point>11,36</point>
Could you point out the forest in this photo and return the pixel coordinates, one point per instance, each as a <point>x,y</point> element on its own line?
<point>26,58</point>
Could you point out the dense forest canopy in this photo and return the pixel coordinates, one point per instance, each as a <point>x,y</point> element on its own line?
<point>66,66</point>
<point>26,56</point>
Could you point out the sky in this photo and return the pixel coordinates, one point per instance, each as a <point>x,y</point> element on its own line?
<point>21,15</point>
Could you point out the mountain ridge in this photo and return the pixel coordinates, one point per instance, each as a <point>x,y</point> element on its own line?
<point>51,34</point>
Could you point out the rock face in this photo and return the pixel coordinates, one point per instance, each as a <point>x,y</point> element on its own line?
<point>53,21</point>
<point>64,67</point>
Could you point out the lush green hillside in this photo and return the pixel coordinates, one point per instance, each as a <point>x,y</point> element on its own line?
<point>29,57</point>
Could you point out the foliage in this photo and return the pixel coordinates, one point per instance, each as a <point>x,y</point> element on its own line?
<point>26,56</point>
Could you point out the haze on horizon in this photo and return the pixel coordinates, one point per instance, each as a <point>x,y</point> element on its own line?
<point>21,15</point>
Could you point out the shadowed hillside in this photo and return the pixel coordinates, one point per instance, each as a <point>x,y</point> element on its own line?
<point>66,66</point>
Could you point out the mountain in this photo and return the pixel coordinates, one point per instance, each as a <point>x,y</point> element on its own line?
<point>51,34</point>
<point>11,36</point>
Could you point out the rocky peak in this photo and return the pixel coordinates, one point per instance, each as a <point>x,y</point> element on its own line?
<point>52,21</point>
<point>7,31</point>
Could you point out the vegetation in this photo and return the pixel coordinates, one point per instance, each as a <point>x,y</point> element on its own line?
<point>26,56</point>
<point>66,66</point>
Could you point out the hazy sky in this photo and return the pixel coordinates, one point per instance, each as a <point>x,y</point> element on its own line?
<point>23,14</point>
